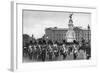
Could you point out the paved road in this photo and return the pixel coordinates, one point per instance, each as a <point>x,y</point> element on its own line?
<point>81,55</point>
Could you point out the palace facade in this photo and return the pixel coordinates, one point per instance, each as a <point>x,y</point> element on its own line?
<point>69,34</point>
<point>59,34</point>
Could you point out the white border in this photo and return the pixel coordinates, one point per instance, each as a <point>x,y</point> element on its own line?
<point>17,38</point>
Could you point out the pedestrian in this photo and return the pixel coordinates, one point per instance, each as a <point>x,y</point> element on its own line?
<point>43,54</point>
<point>30,52</point>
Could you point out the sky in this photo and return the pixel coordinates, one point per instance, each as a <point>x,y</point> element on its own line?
<point>35,22</point>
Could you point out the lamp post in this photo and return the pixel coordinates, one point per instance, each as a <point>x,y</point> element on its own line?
<point>88,32</point>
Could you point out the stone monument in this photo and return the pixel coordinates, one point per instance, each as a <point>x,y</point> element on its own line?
<point>70,35</point>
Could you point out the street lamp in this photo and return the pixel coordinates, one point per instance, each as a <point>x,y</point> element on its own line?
<point>88,32</point>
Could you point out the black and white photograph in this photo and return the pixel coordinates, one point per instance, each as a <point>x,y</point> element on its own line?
<point>55,36</point>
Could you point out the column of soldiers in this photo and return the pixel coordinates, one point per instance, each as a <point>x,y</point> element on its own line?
<point>51,51</point>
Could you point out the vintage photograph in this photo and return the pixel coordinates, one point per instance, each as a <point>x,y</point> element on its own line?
<point>55,36</point>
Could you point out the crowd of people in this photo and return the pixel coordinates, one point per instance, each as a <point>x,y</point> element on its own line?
<point>52,52</point>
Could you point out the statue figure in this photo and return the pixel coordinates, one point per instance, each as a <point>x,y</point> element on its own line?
<point>70,16</point>
<point>70,20</point>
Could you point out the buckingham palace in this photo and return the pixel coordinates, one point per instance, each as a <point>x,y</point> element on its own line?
<point>69,34</point>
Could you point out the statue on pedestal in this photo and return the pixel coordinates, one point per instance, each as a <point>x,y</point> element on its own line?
<point>70,35</point>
